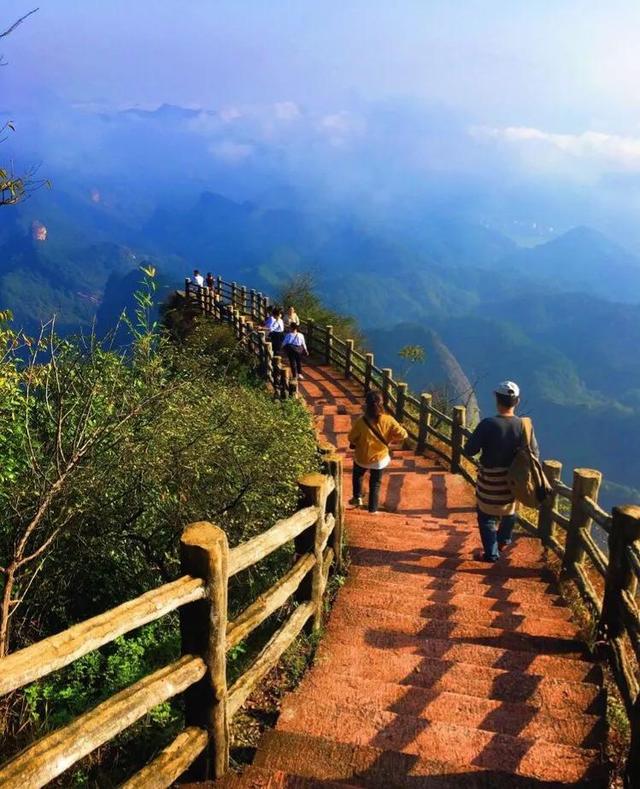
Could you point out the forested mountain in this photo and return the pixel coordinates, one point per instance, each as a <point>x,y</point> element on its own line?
<point>561,318</point>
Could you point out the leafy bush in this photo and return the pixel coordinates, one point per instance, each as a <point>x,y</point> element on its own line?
<point>109,452</point>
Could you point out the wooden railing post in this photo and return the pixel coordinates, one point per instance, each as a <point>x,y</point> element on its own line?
<point>278,377</point>
<point>313,492</point>
<point>620,578</point>
<point>401,400</point>
<point>457,436</point>
<point>310,334</point>
<point>348,354</point>
<point>387,378</point>
<point>333,462</point>
<point>234,294</point>
<point>586,482</point>
<point>187,287</point>
<point>268,360</point>
<point>368,371</point>
<point>328,343</point>
<point>252,303</point>
<point>243,300</point>
<point>546,524</point>
<point>424,423</point>
<point>262,353</point>
<point>204,553</point>
<point>219,282</point>
<point>632,768</point>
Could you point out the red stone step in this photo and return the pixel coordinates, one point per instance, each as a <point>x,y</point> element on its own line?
<point>576,668</point>
<point>411,576</point>
<point>389,595</point>
<point>515,719</point>
<point>392,627</point>
<point>446,742</point>
<point>463,565</point>
<point>414,527</point>
<point>443,675</point>
<point>466,609</point>
<point>436,542</point>
<point>374,768</point>
<point>393,609</point>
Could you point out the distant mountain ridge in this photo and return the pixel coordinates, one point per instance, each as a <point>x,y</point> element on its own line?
<point>562,318</point>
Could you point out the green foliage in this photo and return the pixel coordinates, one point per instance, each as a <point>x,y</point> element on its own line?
<point>108,452</point>
<point>300,292</point>
<point>413,353</point>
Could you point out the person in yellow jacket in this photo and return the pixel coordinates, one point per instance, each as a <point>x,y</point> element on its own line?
<point>370,436</point>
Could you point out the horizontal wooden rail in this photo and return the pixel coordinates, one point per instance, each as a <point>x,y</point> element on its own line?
<point>268,657</point>
<point>633,555</point>
<point>249,553</point>
<point>598,558</point>
<point>172,762</point>
<point>563,490</point>
<point>560,519</point>
<point>595,511</point>
<point>439,435</point>
<point>269,602</point>
<point>55,652</point>
<point>52,755</point>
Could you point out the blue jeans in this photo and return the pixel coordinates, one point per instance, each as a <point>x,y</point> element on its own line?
<point>494,531</point>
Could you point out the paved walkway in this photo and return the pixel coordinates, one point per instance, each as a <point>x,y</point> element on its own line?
<point>435,670</point>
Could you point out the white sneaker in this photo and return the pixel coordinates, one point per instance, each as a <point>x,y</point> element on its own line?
<point>356,502</point>
<point>301,378</point>
<point>377,512</point>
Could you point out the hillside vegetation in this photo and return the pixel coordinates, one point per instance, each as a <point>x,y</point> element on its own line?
<point>109,450</point>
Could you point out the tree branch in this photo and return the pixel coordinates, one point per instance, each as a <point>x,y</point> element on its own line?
<point>18,23</point>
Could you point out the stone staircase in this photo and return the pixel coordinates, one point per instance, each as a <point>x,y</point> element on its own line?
<point>435,670</point>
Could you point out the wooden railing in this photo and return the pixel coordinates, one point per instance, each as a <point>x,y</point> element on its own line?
<point>607,581</point>
<point>200,596</point>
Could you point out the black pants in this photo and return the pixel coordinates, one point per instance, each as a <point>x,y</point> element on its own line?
<point>295,360</point>
<point>375,480</point>
<point>276,338</point>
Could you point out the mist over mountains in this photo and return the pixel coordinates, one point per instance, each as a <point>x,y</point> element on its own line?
<point>431,245</point>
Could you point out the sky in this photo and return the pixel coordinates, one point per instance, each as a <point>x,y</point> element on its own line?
<point>545,88</point>
<point>561,65</point>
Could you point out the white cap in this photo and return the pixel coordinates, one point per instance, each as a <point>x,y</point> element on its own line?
<point>508,388</point>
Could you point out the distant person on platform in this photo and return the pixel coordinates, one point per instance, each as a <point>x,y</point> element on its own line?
<point>498,439</point>
<point>269,321</point>
<point>290,317</point>
<point>370,436</point>
<point>295,347</point>
<point>198,279</point>
<point>210,281</point>
<point>276,335</point>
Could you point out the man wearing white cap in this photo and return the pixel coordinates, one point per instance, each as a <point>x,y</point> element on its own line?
<point>498,439</point>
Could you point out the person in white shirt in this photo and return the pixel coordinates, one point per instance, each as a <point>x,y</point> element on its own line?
<point>276,334</point>
<point>269,321</point>
<point>198,279</point>
<point>295,347</point>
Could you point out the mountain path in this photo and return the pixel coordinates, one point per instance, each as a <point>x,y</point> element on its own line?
<point>435,669</point>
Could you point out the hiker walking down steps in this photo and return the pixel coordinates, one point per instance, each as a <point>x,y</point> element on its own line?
<point>295,347</point>
<point>499,438</point>
<point>370,436</point>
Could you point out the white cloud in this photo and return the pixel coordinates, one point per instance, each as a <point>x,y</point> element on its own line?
<point>340,126</point>
<point>610,151</point>
<point>286,110</point>
<point>229,114</point>
<point>230,151</point>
